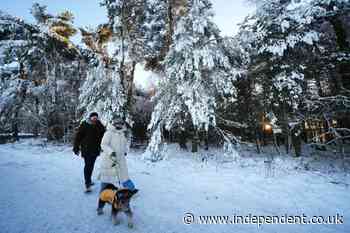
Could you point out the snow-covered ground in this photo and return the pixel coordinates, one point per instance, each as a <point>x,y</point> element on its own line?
<point>42,191</point>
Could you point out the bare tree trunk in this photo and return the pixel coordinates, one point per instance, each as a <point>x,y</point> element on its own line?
<point>195,141</point>
<point>296,141</point>
<point>130,81</point>
<point>286,126</point>
<point>206,140</point>
<point>275,143</point>
<point>183,139</point>
<point>15,125</point>
<point>37,124</point>
<point>258,145</point>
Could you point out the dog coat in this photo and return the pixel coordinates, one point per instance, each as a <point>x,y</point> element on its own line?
<point>108,195</point>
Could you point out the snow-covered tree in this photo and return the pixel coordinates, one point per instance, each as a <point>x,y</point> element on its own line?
<point>61,68</point>
<point>118,46</point>
<point>197,71</point>
<point>48,67</point>
<point>15,43</point>
<point>156,30</point>
<point>293,44</point>
<point>159,24</point>
<point>134,33</point>
<point>103,92</point>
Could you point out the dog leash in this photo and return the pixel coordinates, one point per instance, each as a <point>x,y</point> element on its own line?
<point>116,164</point>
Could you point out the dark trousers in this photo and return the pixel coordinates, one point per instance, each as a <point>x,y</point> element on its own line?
<point>89,167</point>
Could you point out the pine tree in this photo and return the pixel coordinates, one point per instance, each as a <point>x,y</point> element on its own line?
<point>45,79</point>
<point>15,44</point>
<point>125,35</point>
<point>102,90</point>
<point>289,47</point>
<point>156,29</point>
<point>197,71</point>
<point>61,67</point>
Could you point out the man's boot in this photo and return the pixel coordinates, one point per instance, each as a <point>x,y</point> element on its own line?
<point>88,188</point>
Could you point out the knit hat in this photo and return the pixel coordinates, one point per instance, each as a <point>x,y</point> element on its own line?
<point>93,114</point>
<point>118,119</point>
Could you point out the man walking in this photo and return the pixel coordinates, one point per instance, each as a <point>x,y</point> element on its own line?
<point>88,141</point>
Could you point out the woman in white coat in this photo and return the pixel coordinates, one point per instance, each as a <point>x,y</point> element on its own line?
<point>113,165</point>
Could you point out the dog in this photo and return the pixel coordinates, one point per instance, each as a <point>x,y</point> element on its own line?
<point>119,199</point>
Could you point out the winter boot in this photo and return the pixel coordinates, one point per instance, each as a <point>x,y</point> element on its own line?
<point>88,188</point>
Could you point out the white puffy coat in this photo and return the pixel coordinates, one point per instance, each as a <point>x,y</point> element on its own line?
<point>113,170</point>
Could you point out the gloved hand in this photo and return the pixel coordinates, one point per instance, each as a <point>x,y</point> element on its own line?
<point>125,154</point>
<point>76,151</point>
<point>113,154</point>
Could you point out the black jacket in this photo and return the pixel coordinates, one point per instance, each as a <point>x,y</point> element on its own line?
<point>88,138</point>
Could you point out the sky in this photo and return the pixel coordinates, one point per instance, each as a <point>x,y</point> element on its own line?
<point>228,13</point>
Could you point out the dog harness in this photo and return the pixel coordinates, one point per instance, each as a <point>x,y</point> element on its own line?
<point>111,196</point>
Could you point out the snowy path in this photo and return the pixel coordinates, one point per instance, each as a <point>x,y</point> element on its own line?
<point>41,191</point>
